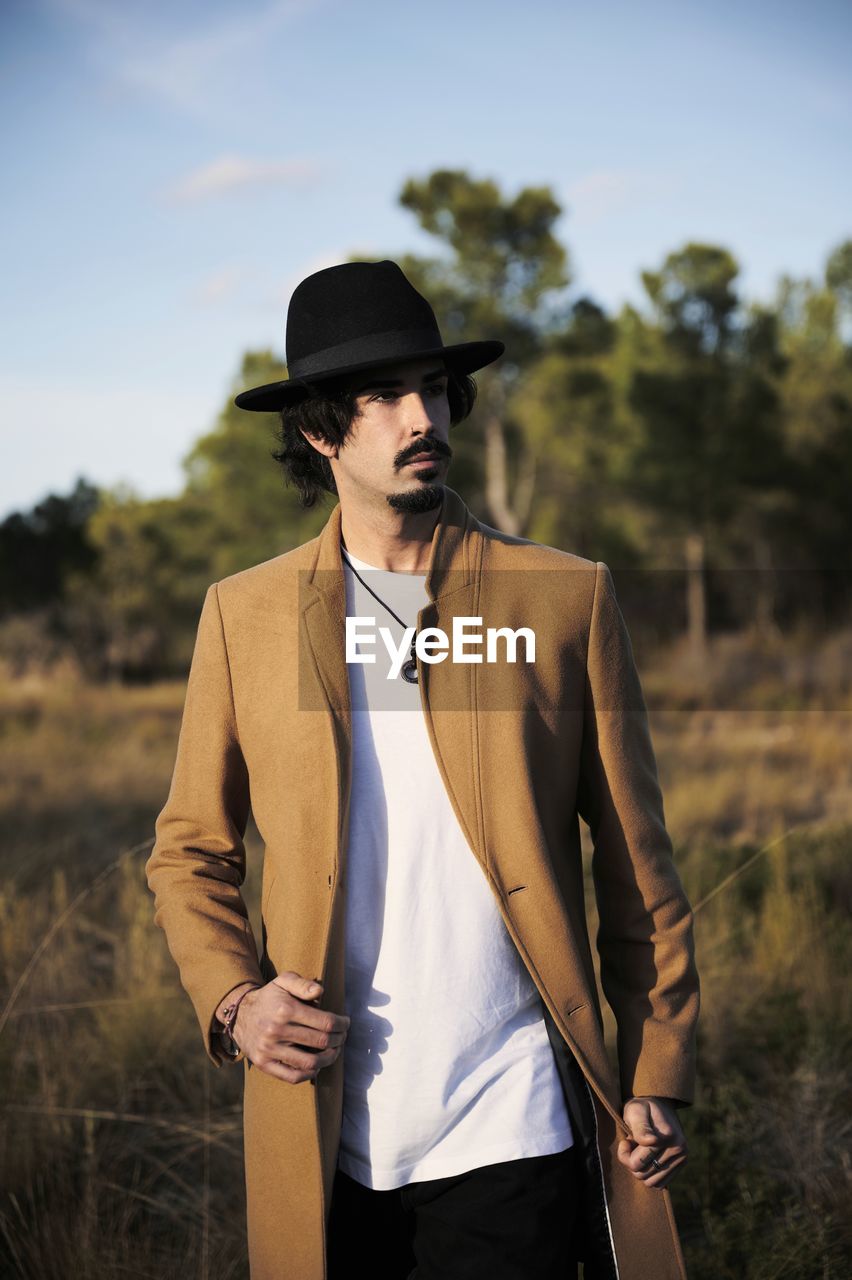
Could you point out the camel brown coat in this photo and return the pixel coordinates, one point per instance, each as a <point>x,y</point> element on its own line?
<point>524,749</point>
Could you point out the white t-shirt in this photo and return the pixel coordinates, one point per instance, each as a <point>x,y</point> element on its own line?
<point>447,1064</point>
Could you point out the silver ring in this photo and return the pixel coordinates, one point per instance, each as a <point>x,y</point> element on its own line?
<point>656,1164</point>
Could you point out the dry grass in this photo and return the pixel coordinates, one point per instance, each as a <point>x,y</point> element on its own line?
<point>121,1147</point>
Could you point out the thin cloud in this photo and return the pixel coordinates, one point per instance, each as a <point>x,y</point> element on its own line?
<point>189,72</point>
<point>219,286</point>
<point>234,172</point>
<point>610,191</point>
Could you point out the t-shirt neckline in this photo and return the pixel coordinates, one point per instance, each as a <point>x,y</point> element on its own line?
<point>362,564</point>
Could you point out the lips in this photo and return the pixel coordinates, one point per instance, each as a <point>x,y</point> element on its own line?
<point>425,457</point>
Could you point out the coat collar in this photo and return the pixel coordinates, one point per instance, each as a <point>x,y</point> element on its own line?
<point>450,560</point>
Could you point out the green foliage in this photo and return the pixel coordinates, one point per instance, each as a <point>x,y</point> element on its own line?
<point>710,435</point>
<point>134,613</point>
<point>694,298</point>
<point>231,472</point>
<point>506,258</point>
<point>838,274</point>
<point>39,547</point>
<point>502,275</point>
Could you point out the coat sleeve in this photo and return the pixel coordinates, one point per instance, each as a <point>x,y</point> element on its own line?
<point>198,860</point>
<point>645,938</point>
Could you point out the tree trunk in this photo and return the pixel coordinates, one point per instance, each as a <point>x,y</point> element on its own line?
<point>696,598</point>
<point>509,516</point>
<point>764,596</point>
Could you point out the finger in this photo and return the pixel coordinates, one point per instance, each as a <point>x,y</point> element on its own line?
<point>638,1158</point>
<point>665,1121</point>
<point>667,1135</point>
<point>280,1070</point>
<point>645,1129</point>
<point>294,984</point>
<point>309,1015</point>
<point>650,1139</point>
<point>295,1022</point>
<point>625,1150</point>
<point>291,1032</point>
<point>648,1122</point>
<point>643,1160</point>
<point>643,1149</point>
<point>289,1063</point>
<point>294,1055</point>
<point>652,1176</point>
<point>277,1035</point>
<point>657,1178</point>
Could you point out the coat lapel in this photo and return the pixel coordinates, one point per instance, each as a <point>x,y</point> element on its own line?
<point>445,687</point>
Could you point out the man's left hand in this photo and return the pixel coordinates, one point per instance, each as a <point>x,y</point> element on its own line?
<point>656,1133</point>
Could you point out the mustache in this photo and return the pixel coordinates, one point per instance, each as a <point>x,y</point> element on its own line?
<point>426,446</point>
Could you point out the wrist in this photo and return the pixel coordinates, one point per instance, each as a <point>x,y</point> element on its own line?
<point>226,1023</point>
<point>233,995</point>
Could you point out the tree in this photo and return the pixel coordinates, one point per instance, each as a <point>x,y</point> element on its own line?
<point>232,471</point>
<point>39,548</point>
<point>838,276</point>
<point>567,404</point>
<point>816,422</point>
<point>710,430</point>
<point>505,265</point>
<point>133,614</point>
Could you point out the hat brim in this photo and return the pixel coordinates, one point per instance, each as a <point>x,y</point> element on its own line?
<point>464,357</point>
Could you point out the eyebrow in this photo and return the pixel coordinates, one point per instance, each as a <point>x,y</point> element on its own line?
<point>397,382</point>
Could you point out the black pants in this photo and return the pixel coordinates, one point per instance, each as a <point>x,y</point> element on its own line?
<point>509,1221</point>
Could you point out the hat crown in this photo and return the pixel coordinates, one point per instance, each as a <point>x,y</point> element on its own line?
<point>348,303</point>
<point>354,316</point>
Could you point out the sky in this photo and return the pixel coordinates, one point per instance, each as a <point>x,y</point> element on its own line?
<point>172,171</point>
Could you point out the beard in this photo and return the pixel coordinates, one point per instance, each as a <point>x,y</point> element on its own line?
<point>426,497</point>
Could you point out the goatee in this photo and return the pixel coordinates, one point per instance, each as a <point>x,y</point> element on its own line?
<point>424,498</point>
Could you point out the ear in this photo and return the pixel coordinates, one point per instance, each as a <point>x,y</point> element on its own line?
<point>319,443</point>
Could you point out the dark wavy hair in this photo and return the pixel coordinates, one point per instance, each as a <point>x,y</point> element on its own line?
<point>329,410</point>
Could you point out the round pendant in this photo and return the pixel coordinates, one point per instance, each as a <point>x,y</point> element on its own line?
<point>409,671</point>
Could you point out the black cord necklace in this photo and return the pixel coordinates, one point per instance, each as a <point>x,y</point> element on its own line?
<point>409,668</point>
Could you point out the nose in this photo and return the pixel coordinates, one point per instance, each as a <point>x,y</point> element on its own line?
<point>421,413</point>
<point>419,407</point>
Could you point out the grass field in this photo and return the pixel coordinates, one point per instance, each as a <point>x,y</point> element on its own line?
<point>121,1146</point>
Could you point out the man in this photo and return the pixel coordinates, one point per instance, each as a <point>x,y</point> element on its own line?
<point>426,968</point>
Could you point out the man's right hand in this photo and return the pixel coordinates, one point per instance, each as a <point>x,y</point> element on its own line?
<point>281,1030</point>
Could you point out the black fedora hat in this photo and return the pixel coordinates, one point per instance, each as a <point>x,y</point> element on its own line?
<point>353,316</point>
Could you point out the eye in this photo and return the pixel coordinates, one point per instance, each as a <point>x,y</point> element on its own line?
<point>437,387</point>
